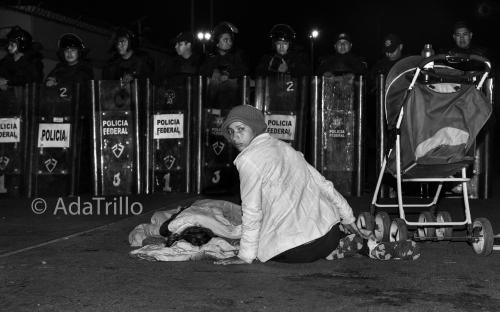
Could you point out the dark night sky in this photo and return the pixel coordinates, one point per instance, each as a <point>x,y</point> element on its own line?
<point>417,22</point>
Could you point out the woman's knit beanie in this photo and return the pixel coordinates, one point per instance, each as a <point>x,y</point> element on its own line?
<point>248,115</point>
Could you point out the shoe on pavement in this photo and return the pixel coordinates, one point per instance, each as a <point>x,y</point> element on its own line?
<point>401,250</point>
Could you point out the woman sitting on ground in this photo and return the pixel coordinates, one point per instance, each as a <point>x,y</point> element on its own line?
<point>291,213</point>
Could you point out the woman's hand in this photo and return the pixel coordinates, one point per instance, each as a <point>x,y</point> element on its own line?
<point>352,228</point>
<point>232,260</point>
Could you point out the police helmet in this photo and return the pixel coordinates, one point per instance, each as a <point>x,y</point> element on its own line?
<point>126,33</point>
<point>21,37</point>
<point>184,36</point>
<point>224,28</point>
<point>70,40</point>
<point>282,32</point>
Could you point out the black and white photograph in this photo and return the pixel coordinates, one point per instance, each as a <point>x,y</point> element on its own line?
<point>249,155</point>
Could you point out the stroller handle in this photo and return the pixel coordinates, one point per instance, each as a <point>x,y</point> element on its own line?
<point>456,58</point>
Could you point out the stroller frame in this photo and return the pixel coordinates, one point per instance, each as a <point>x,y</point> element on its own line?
<point>480,247</point>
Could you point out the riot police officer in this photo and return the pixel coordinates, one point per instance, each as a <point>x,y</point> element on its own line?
<point>284,58</point>
<point>393,52</point>
<point>73,67</point>
<point>224,66</point>
<point>225,61</point>
<point>343,60</point>
<point>129,62</point>
<point>22,64</point>
<point>186,62</point>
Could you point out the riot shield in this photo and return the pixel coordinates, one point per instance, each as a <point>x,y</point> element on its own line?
<point>227,93</point>
<point>338,107</point>
<point>480,175</point>
<point>215,172</point>
<point>283,100</point>
<point>13,140</point>
<point>115,126</point>
<point>168,144</point>
<point>54,141</point>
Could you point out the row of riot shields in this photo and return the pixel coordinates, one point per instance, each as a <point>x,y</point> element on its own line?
<point>163,138</point>
<point>168,138</point>
<point>143,138</point>
<point>480,172</point>
<point>39,133</point>
<point>13,140</point>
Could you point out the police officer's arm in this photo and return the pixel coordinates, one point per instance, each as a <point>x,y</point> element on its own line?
<point>51,79</point>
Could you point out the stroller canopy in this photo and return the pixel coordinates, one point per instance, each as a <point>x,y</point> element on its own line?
<point>441,119</point>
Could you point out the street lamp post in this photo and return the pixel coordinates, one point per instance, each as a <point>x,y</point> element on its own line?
<point>204,38</point>
<point>312,37</point>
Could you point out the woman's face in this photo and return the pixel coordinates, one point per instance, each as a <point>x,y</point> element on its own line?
<point>240,135</point>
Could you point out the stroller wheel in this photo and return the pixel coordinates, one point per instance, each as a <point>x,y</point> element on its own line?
<point>446,231</point>
<point>365,221</point>
<point>382,226</point>
<point>482,236</point>
<point>426,232</point>
<point>398,230</point>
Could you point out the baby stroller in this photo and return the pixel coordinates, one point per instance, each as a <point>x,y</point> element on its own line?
<point>435,112</point>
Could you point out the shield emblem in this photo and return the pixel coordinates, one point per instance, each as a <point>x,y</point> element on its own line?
<point>169,161</point>
<point>336,122</point>
<point>4,162</point>
<point>117,149</point>
<point>50,164</point>
<point>218,147</point>
<point>169,96</point>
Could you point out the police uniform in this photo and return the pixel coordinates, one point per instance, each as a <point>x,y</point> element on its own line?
<point>232,64</point>
<point>139,66</point>
<point>81,73</point>
<point>184,66</point>
<point>296,62</point>
<point>342,63</point>
<point>178,66</point>
<point>27,69</point>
